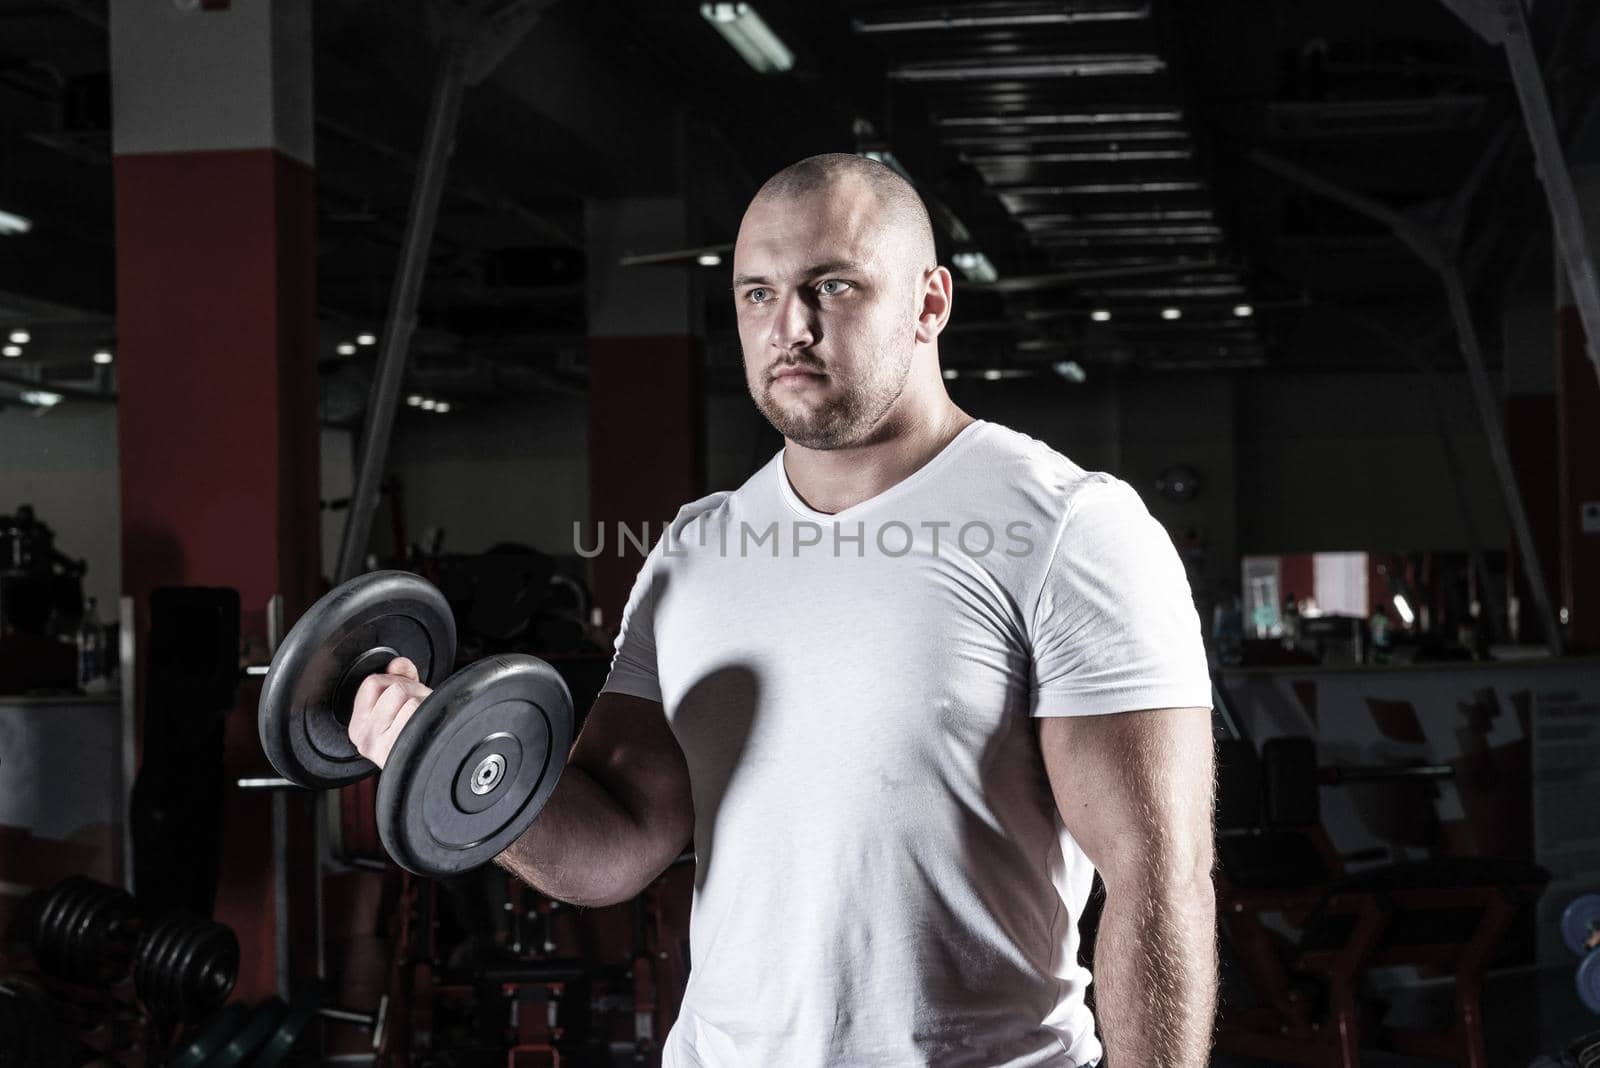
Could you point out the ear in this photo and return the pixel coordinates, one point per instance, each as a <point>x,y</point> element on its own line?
<point>933,309</point>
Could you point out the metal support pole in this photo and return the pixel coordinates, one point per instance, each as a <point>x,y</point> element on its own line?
<point>477,35</point>
<point>1430,250</point>
<point>1572,236</point>
<point>438,142</point>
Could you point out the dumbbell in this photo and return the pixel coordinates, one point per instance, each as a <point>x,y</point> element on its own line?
<point>473,766</point>
<point>1580,930</point>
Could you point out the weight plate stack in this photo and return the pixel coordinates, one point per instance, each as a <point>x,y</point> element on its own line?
<point>352,632</point>
<point>185,968</point>
<point>210,1039</point>
<point>252,1036</point>
<point>85,932</point>
<point>288,1031</point>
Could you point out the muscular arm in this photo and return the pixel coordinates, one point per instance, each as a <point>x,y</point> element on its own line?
<point>1135,790</point>
<point>620,814</point>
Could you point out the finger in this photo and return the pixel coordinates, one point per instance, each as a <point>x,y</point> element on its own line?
<point>384,741</point>
<point>401,665</point>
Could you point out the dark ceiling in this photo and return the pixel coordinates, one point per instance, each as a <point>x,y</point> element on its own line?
<point>1103,155</point>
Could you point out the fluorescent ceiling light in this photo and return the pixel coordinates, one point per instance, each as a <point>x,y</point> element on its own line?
<point>103,357</point>
<point>442,406</point>
<point>14,224</point>
<point>750,36</point>
<point>995,374</point>
<point>1071,370</point>
<point>708,259</point>
<point>12,351</point>
<point>1243,311</point>
<point>366,339</point>
<point>1085,65</point>
<point>20,337</point>
<point>1068,118</point>
<point>1171,313</point>
<point>887,158</point>
<point>415,400</point>
<point>999,15</point>
<point>42,397</point>
<point>346,349</point>
<point>951,372</point>
<point>976,266</point>
<point>429,404</point>
<point>1100,315</point>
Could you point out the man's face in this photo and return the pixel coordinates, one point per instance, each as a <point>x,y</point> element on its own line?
<point>827,306</point>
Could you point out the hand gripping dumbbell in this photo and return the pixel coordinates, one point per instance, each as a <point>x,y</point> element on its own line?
<point>475,763</point>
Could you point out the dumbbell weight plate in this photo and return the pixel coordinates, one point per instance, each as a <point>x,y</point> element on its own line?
<point>288,1031</point>
<point>1579,922</point>
<point>1589,981</point>
<point>352,632</point>
<point>252,1036</point>
<point>474,766</point>
<point>211,1038</point>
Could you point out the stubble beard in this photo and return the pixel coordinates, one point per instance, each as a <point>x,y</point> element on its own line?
<point>847,418</point>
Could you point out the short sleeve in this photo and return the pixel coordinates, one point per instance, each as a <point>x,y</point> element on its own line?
<point>1115,628</point>
<point>633,666</point>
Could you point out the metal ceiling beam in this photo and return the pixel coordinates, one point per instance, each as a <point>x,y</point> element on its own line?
<point>1437,251</point>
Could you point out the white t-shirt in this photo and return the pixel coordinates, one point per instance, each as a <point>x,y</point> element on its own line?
<point>883,878</point>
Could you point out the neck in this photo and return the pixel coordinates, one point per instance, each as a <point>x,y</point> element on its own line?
<point>914,431</point>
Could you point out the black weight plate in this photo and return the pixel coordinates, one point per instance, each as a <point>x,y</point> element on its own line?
<point>1580,921</point>
<point>253,1035</point>
<point>507,719</point>
<point>288,1032</point>
<point>210,1039</point>
<point>350,633</point>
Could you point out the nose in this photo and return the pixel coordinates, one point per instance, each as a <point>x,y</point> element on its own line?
<point>793,327</point>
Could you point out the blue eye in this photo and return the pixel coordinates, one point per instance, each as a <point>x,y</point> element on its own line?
<point>825,291</point>
<point>756,296</point>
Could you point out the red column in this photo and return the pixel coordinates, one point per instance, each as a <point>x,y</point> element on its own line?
<point>644,397</point>
<point>216,335</point>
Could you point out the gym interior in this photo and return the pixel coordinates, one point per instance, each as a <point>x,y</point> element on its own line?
<point>434,304</point>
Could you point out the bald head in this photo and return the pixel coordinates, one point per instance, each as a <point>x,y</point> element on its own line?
<point>904,218</point>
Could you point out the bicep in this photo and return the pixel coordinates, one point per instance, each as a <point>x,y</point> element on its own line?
<point>1135,790</point>
<point>627,746</point>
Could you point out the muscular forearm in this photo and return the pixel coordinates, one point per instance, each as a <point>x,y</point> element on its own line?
<point>586,848</point>
<point>1155,973</point>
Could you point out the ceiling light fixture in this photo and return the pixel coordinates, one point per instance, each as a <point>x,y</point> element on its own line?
<point>415,400</point>
<point>20,337</point>
<point>1071,370</point>
<point>1243,311</point>
<point>429,404</point>
<point>1171,313</point>
<point>42,397</point>
<point>103,357</point>
<point>1100,315</point>
<point>750,36</point>
<point>12,351</point>
<point>346,349</point>
<point>975,265</point>
<point>708,259</point>
<point>366,339</point>
<point>11,224</point>
<point>442,406</point>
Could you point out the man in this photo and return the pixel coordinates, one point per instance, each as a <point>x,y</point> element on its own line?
<point>906,689</point>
